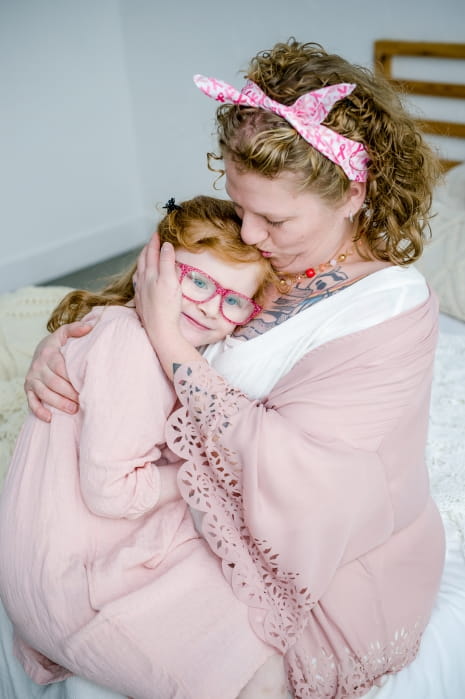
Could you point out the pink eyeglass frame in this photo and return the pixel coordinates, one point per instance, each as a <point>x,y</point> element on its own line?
<point>218,290</point>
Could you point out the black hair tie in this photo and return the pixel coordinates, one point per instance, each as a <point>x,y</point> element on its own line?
<point>170,206</point>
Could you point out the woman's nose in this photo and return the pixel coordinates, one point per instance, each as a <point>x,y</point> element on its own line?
<point>252,229</point>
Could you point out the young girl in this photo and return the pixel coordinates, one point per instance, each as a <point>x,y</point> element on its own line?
<point>91,513</point>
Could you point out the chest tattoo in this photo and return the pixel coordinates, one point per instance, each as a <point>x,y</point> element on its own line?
<point>304,294</point>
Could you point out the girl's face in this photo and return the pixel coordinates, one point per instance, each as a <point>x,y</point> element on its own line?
<point>294,229</point>
<point>203,323</point>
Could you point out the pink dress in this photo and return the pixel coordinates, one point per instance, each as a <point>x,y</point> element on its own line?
<point>96,580</point>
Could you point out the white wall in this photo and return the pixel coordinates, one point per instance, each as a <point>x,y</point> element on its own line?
<point>69,179</point>
<point>101,120</point>
<point>165,47</point>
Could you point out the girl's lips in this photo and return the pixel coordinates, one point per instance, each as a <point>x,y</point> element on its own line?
<point>265,253</point>
<point>195,322</point>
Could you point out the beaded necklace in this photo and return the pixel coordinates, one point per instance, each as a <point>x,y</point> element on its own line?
<point>287,282</point>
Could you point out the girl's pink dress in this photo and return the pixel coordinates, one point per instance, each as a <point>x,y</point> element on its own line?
<point>96,580</point>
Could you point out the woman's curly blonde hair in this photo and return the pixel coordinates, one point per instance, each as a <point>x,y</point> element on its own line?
<point>197,225</point>
<point>393,222</point>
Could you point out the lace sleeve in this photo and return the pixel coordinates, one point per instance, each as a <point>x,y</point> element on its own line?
<point>287,498</point>
<point>211,481</point>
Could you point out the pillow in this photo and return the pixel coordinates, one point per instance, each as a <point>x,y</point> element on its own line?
<point>451,191</point>
<point>443,260</point>
<point>23,318</point>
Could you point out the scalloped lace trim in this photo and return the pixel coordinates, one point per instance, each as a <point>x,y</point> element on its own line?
<point>327,677</point>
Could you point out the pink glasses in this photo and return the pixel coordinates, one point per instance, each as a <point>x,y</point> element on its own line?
<point>197,286</point>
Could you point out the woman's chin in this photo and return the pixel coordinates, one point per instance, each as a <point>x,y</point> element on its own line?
<point>285,264</point>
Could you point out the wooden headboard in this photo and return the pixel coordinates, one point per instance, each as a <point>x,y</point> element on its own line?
<point>384,52</point>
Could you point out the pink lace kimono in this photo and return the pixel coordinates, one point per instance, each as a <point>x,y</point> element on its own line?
<point>317,501</point>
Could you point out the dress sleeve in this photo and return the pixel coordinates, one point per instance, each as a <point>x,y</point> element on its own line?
<point>293,487</point>
<point>125,399</point>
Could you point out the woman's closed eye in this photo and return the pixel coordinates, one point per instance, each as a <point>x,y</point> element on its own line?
<point>273,223</point>
<point>240,213</point>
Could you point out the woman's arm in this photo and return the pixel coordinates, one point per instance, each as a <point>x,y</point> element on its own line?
<point>47,380</point>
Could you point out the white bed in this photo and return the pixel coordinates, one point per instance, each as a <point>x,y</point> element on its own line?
<point>439,670</point>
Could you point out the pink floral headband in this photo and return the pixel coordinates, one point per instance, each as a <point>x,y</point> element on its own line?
<point>305,115</point>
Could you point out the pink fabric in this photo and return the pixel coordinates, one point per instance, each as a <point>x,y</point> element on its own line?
<point>317,500</point>
<point>316,505</point>
<point>96,579</point>
<point>305,115</point>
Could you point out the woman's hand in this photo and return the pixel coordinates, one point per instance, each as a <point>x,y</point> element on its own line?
<point>47,380</point>
<point>157,291</point>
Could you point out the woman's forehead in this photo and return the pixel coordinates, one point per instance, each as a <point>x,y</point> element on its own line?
<point>262,195</point>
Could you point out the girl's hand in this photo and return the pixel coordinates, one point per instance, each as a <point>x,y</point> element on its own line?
<point>47,380</point>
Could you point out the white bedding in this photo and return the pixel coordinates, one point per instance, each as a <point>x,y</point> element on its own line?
<point>443,260</point>
<point>450,325</point>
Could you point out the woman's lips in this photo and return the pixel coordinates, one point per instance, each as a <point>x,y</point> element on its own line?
<point>265,253</point>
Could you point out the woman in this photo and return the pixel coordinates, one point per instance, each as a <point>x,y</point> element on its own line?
<point>304,443</point>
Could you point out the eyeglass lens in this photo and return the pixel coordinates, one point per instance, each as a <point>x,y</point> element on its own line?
<point>198,287</point>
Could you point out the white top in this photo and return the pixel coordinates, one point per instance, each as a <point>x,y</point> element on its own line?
<point>254,366</point>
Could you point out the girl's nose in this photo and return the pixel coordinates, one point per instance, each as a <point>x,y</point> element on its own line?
<point>211,308</point>
<point>252,229</point>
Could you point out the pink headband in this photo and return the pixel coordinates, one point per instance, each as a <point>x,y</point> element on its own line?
<point>305,115</point>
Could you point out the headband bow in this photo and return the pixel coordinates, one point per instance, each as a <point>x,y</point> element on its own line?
<point>305,115</point>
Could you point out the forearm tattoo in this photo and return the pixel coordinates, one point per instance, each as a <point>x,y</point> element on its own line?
<point>304,294</point>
